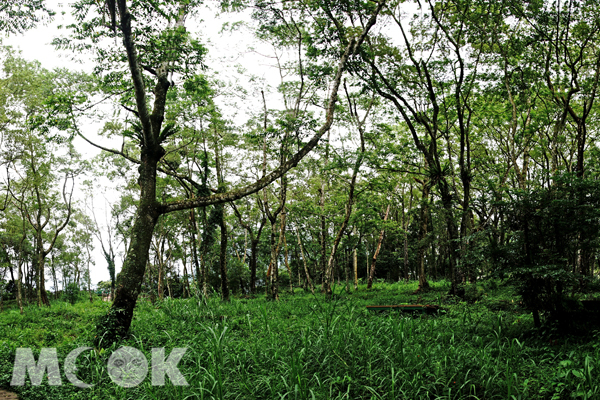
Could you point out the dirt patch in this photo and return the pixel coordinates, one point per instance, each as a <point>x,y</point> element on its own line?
<point>4,395</point>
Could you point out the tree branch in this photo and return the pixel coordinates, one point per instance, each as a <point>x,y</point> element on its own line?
<point>294,160</point>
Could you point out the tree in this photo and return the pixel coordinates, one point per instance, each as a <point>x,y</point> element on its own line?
<point>568,36</point>
<point>437,67</point>
<point>20,15</point>
<point>550,228</point>
<point>359,124</point>
<point>39,163</point>
<point>255,234</point>
<point>107,248</point>
<point>36,207</point>
<point>156,42</point>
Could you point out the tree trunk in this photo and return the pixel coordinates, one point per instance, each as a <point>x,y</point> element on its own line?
<point>322,218</point>
<point>423,284</point>
<point>160,265</point>
<point>223,258</point>
<point>355,259</point>
<point>169,288</point>
<point>310,283</point>
<point>54,279</point>
<point>19,283</point>
<point>285,251</point>
<point>359,158</point>
<point>186,283</point>
<point>89,276</point>
<point>347,270</point>
<point>161,290</point>
<point>41,261</point>
<point>273,266</point>
<point>254,241</point>
<point>405,223</point>
<point>253,249</point>
<point>377,249</point>
<point>194,246</point>
<point>129,281</point>
<point>406,256</point>
<point>203,270</point>
<point>452,233</point>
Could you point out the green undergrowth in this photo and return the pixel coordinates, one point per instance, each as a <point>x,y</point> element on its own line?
<point>304,347</point>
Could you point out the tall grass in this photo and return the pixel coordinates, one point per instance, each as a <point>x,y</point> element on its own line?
<point>305,347</point>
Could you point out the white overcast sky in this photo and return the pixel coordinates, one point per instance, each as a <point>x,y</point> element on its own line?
<point>227,51</point>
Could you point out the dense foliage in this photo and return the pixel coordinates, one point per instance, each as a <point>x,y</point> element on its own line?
<point>426,141</point>
<point>308,348</point>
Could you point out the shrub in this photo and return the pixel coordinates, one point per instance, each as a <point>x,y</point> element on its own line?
<point>554,234</point>
<point>473,293</point>
<point>71,292</point>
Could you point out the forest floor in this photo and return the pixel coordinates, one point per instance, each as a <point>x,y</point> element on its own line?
<point>304,347</point>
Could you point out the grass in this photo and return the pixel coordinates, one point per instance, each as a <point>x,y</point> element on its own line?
<point>304,347</point>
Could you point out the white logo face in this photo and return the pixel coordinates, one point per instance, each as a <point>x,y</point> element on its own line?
<point>127,367</point>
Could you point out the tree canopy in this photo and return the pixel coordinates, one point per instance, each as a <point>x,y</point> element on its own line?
<point>422,140</point>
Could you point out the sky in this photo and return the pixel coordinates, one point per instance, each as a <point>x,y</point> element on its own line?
<point>229,54</point>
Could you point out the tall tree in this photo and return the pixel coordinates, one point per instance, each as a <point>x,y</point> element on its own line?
<point>158,47</point>
<point>359,123</point>
<point>255,235</point>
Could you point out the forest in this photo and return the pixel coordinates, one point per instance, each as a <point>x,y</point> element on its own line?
<point>438,153</point>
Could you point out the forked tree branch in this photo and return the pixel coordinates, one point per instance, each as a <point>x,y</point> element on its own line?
<point>218,198</point>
